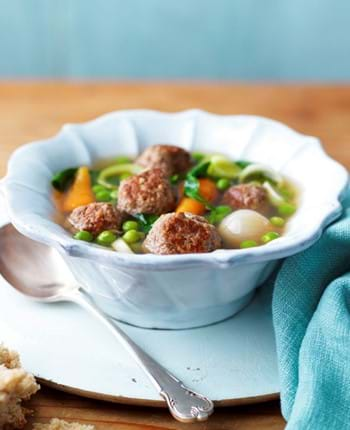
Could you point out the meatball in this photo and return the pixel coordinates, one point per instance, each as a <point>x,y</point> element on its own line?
<point>96,217</point>
<point>171,159</point>
<point>246,196</point>
<point>150,192</point>
<point>181,233</point>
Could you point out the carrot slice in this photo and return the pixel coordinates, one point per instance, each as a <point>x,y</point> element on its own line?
<point>207,190</point>
<point>80,193</point>
<point>190,205</point>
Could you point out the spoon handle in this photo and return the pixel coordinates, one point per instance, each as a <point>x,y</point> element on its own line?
<point>184,404</point>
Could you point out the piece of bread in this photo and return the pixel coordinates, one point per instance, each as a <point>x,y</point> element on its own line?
<point>15,385</point>
<point>9,359</point>
<point>56,424</point>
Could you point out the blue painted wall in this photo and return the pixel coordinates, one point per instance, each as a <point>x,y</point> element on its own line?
<point>214,39</point>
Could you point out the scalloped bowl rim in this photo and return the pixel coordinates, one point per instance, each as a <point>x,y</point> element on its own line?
<point>219,258</point>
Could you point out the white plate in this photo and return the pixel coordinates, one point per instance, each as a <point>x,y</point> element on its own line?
<point>231,362</point>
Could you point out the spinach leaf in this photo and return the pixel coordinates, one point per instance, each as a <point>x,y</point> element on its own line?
<point>62,180</point>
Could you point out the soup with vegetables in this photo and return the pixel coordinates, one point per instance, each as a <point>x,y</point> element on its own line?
<point>170,201</point>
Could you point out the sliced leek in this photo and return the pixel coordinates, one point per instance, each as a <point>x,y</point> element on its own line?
<point>274,197</point>
<point>117,170</point>
<point>222,167</point>
<point>254,171</point>
<point>120,245</point>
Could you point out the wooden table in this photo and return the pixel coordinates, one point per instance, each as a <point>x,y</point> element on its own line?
<point>30,111</point>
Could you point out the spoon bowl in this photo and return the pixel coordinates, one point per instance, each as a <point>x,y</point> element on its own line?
<point>32,268</point>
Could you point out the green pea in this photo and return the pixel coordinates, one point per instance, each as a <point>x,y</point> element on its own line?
<point>137,247</point>
<point>125,175</point>
<point>106,238</point>
<point>174,179</point>
<point>248,244</point>
<point>286,209</point>
<point>103,196</point>
<point>133,236</point>
<point>222,184</point>
<point>86,236</point>
<point>114,195</point>
<point>122,159</point>
<point>286,192</point>
<point>271,235</point>
<point>277,221</point>
<point>130,225</point>
<point>98,188</point>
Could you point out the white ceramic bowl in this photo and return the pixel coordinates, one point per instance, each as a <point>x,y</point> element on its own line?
<point>175,291</point>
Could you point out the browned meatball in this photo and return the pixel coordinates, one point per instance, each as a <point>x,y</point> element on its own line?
<point>96,217</point>
<point>181,233</point>
<point>150,192</point>
<point>171,159</point>
<point>246,196</point>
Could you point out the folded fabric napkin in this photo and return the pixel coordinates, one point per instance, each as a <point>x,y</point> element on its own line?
<point>311,314</point>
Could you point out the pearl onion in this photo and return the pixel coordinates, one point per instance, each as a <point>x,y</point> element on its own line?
<point>243,224</point>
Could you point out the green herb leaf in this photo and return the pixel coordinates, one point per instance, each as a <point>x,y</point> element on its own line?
<point>199,169</point>
<point>191,189</point>
<point>62,180</point>
<point>93,176</point>
<point>146,221</point>
<point>242,163</point>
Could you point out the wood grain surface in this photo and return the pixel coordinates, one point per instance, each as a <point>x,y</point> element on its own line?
<point>30,111</point>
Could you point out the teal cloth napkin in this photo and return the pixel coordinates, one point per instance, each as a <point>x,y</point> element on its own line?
<point>311,315</point>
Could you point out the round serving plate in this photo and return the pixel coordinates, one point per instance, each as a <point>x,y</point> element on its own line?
<point>232,362</point>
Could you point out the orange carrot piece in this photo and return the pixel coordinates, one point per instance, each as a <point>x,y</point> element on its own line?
<point>80,193</point>
<point>207,189</point>
<point>190,205</point>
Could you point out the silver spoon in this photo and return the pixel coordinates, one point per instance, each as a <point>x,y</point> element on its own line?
<point>38,271</point>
